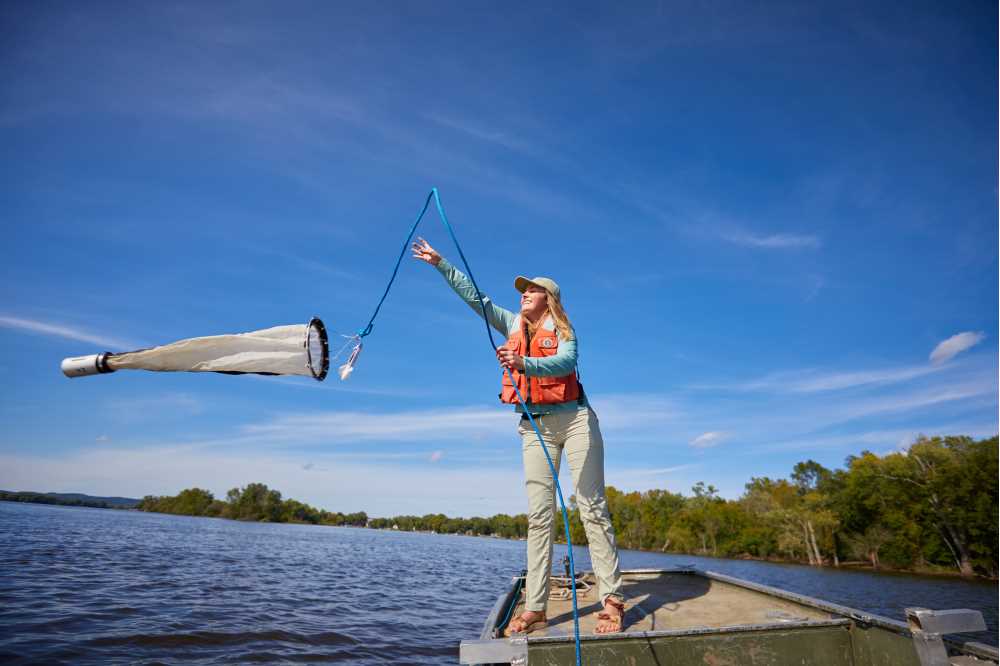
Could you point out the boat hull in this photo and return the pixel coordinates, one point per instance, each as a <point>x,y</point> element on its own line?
<point>689,617</point>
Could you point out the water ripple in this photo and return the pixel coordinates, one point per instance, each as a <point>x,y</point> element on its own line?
<point>86,586</point>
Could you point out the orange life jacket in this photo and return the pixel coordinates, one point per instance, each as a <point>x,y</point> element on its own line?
<point>537,390</point>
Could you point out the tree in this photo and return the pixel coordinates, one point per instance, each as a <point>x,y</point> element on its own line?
<point>950,478</point>
<point>868,543</point>
<point>193,502</point>
<point>931,506</point>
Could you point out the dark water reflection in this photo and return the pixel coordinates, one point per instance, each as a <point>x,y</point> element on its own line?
<point>95,586</point>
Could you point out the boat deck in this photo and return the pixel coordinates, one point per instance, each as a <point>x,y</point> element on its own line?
<point>662,601</point>
<point>687,617</point>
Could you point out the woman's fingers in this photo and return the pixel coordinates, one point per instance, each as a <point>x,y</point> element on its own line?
<point>508,359</point>
<point>423,251</point>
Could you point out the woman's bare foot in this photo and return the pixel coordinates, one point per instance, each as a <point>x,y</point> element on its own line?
<point>526,622</point>
<point>612,619</point>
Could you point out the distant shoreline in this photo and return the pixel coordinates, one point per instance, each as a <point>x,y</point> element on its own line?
<point>843,566</point>
<point>860,566</point>
<point>929,511</point>
<point>68,499</point>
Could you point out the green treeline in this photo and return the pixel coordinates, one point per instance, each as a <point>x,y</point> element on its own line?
<point>255,502</point>
<point>932,508</point>
<point>500,525</point>
<point>61,500</point>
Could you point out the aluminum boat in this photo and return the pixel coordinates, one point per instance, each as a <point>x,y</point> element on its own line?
<point>687,616</point>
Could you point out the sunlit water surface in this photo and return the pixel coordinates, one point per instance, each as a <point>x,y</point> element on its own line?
<point>98,586</point>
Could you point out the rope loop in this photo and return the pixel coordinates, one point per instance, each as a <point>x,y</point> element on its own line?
<point>489,332</point>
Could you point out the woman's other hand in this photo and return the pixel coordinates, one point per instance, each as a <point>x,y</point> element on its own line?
<point>423,251</point>
<point>510,360</point>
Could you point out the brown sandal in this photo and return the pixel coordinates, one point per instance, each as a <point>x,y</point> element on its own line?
<point>526,627</point>
<point>616,620</point>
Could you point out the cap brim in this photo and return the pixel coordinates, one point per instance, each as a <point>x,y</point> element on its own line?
<point>521,283</point>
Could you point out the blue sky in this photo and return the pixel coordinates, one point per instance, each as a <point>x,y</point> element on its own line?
<point>775,227</point>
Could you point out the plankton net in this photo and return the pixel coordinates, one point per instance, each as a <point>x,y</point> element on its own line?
<point>298,349</point>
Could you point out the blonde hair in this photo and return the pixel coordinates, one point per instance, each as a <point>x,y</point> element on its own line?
<point>555,310</point>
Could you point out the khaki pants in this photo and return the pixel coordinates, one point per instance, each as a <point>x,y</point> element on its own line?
<point>578,433</point>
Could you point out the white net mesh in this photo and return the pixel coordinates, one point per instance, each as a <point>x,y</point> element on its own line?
<point>280,350</point>
<point>299,349</point>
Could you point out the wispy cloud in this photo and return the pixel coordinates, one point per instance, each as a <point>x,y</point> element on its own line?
<point>659,471</point>
<point>323,481</point>
<point>313,265</point>
<point>264,98</point>
<point>624,418</point>
<point>676,478</point>
<point>838,420</point>
<point>956,344</point>
<point>965,391</point>
<point>890,439</point>
<point>815,381</point>
<point>708,439</point>
<point>814,410</point>
<point>149,407</point>
<point>381,456</point>
<point>332,383</point>
<point>66,332</point>
<point>481,132</point>
<point>781,241</point>
<point>340,427</point>
<point>635,415</point>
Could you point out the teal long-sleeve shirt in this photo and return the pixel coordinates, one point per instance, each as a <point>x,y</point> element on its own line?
<point>562,363</point>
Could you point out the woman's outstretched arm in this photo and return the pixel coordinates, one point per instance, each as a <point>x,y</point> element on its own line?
<point>499,318</point>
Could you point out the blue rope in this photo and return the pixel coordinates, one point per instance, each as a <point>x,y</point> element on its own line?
<point>555,475</point>
<point>514,597</point>
<point>371,322</point>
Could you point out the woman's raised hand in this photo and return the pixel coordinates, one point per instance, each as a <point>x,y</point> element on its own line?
<point>422,250</point>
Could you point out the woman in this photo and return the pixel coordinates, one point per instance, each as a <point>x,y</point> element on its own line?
<point>540,354</point>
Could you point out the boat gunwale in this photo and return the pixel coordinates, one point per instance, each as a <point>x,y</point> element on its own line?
<point>696,631</point>
<point>971,647</point>
<point>490,628</point>
<point>846,615</point>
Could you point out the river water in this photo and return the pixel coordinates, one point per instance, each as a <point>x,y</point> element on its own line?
<point>84,585</point>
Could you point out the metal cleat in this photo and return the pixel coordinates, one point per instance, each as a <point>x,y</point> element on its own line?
<point>927,627</point>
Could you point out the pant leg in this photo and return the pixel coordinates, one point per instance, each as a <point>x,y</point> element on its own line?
<point>585,454</point>
<point>541,508</point>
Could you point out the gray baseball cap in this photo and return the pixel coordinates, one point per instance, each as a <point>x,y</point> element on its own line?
<point>521,283</point>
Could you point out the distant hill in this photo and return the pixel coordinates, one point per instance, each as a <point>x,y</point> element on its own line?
<point>113,501</point>
<point>69,499</point>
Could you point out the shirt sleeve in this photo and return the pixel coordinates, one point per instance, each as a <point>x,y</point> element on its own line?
<point>499,318</point>
<point>559,364</point>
